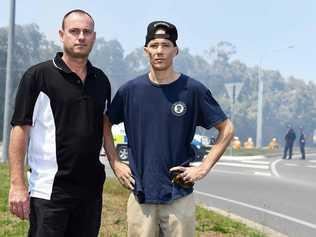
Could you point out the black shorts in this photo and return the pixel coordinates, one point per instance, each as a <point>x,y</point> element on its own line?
<point>65,218</point>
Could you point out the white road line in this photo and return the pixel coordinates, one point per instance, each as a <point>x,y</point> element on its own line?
<point>293,219</point>
<point>313,161</point>
<point>263,173</point>
<point>240,173</point>
<point>239,158</point>
<point>273,168</point>
<point>229,172</point>
<point>264,167</point>
<point>292,165</point>
<point>311,166</point>
<point>259,162</point>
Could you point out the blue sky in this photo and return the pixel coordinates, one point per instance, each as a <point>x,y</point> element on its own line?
<point>258,29</point>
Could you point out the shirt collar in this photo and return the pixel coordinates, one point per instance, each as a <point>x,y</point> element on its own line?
<point>61,65</point>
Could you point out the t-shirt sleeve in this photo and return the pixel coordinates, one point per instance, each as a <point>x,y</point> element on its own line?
<point>210,112</point>
<point>115,111</point>
<point>25,100</point>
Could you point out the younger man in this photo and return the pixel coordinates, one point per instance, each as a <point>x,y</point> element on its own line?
<point>161,111</point>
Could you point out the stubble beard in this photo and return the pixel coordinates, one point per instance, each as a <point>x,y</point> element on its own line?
<point>78,55</point>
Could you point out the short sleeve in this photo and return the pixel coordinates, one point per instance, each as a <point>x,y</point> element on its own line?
<point>28,91</point>
<point>210,112</point>
<point>115,111</point>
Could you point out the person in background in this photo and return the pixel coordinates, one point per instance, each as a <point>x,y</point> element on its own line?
<point>290,137</point>
<point>302,143</point>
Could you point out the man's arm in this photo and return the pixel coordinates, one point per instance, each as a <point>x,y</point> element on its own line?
<point>18,194</point>
<point>121,170</point>
<point>225,134</point>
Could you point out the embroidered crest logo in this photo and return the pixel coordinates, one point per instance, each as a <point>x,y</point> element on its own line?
<point>178,108</point>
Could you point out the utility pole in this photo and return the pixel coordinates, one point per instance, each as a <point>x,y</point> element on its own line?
<point>259,110</point>
<point>8,85</point>
<point>260,99</point>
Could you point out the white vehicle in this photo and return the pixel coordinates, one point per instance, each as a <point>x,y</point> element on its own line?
<point>204,140</point>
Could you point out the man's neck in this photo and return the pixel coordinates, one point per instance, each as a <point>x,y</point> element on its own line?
<point>77,65</point>
<point>163,77</point>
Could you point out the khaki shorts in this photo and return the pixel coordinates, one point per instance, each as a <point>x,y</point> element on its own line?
<point>176,219</point>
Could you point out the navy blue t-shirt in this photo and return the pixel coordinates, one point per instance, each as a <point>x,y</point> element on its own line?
<point>160,122</point>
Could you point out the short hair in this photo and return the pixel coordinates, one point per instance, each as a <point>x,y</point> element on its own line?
<point>75,11</point>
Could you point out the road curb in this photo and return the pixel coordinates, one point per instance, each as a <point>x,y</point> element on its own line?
<point>264,229</point>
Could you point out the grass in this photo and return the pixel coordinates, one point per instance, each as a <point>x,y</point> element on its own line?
<point>209,224</point>
<point>212,224</point>
<point>114,210</point>
<point>9,225</point>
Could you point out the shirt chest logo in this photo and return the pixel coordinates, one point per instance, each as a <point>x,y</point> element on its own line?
<point>178,108</point>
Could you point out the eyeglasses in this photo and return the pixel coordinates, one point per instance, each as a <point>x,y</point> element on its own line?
<point>76,32</point>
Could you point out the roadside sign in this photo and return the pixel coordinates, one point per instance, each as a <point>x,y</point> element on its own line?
<point>233,89</point>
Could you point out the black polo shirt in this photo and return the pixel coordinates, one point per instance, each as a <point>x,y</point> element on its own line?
<point>66,118</point>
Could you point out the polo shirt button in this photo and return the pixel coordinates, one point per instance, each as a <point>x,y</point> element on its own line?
<point>78,81</point>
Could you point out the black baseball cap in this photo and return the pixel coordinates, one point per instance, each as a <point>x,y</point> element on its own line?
<point>171,32</point>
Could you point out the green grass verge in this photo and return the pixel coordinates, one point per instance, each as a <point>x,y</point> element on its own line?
<point>9,225</point>
<point>208,223</point>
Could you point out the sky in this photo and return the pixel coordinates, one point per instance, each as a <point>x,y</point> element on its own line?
<point>261,31</point>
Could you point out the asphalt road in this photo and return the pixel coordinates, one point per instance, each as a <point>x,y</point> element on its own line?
<point>280,194</point>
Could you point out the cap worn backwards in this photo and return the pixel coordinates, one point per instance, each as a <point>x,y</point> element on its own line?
<point>170,32</point>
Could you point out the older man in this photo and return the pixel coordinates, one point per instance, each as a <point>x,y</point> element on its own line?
<point>58,120</point>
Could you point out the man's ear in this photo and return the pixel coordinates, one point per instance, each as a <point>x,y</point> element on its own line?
<point>146,51</point>
<point>61,35</point>
<point>177,50</point>
<point>94,36</point>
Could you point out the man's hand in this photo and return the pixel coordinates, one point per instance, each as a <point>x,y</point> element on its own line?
<point>124,174</point>
<point>19,201</point>
<point>193,174</point>
<point>190,174</point>
<point>121,170</point>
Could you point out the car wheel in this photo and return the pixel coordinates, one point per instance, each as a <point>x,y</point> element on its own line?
<point>122,152</point>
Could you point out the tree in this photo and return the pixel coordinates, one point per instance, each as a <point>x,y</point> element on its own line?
<point>286,101</point>
<point>137,62</point>
<point>30,47</point>
<point>109,56</point>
